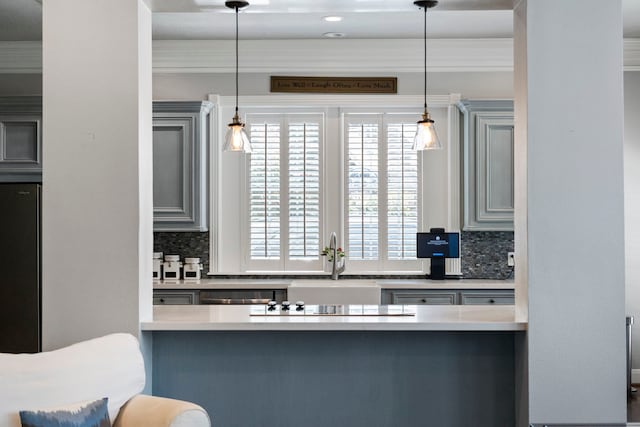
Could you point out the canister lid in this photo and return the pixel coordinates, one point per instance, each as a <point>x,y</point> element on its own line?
<point>157,255</point>
<point>172,257</point>
<point>192,260</point>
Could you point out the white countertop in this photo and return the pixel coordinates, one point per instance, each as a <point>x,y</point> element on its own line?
<point>383,283</point>
<point>223,284</point>
<point>426,318</point>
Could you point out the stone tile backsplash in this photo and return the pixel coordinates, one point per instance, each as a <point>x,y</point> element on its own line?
<point>185,244</point>
<point>484,253</point>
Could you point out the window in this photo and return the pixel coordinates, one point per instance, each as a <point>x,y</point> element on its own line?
<point>382,183</point>
<point>285,176</point>
<point>378,209</point>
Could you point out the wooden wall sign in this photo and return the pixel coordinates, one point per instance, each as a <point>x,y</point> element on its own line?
<point>334,84</point>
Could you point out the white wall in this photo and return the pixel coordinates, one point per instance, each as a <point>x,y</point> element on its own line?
<point>575,210</point>
<point>97,210</point>
<point>478,85</point>
<point>632,204</point>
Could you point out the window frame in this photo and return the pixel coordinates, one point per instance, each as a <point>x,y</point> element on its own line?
<point>226,187</point>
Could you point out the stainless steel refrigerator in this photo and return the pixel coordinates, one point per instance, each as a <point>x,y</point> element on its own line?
<point>20,268</point>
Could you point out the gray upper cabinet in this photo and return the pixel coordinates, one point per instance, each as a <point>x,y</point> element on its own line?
<point>488,173</point>
<point>180,166</point>
<point>21,139</point>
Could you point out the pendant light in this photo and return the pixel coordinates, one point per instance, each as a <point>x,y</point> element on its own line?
<point>426,137</point>
<point>236,138</point>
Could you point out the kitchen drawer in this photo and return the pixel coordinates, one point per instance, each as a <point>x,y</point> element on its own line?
<point>174,298</point>
<point>429,298</point>
<point>487,298</point>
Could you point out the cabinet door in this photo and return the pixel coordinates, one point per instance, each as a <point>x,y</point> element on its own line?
<point>20,139</point>
<point>487,298</point>
<point>488,150</point>
<point>180,139</point>
<point>173,173</point>
<point>424,297</point>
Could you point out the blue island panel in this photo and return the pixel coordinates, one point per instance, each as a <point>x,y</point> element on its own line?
<point>313,379</point>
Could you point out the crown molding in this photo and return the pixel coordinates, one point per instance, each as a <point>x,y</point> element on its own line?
<point>312,56</point>
<point>322,56</point>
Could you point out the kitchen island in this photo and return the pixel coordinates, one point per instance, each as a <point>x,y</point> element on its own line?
<point>421,365</point>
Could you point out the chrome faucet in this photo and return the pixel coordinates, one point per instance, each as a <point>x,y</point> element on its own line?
<point>333,248</point>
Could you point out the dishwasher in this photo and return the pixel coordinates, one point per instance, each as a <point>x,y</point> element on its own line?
<point>242,296</point>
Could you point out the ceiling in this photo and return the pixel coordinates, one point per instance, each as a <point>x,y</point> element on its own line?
<point>302,19</point>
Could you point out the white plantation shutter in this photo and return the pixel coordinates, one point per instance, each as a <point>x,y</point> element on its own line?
<point>382,174</point>
<point>362,183</point>
<point>264,190</point>
<point>285,191</point>
<point>304,190</point>
<point>402,191</point>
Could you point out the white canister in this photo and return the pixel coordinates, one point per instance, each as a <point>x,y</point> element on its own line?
<point>171,267</point>
<point>192,268</point>
<point>157,265</point>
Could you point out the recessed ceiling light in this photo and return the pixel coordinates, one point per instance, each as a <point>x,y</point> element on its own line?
<point>332,18</point>
<point>334,35</point>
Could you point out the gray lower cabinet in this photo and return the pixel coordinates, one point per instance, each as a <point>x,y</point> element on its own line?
<point>21,139</point>
<point>487,163</point>
<point>425,297</point>
<point>217,296</point>
<point>497,297</point>
<point>448,296</point>
<point>180,165</point>
<point>175,297</point>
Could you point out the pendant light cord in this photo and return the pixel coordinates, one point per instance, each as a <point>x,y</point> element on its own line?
<point>425,59</point>
<point>237,62</point>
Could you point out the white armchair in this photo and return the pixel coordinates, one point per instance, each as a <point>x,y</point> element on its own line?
<point>111,366</point>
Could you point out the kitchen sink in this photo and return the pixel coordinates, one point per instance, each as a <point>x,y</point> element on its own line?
<point>325,291</point>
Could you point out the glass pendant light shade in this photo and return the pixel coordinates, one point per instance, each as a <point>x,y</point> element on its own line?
<point>426,136</point>
<point>236,138</point>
